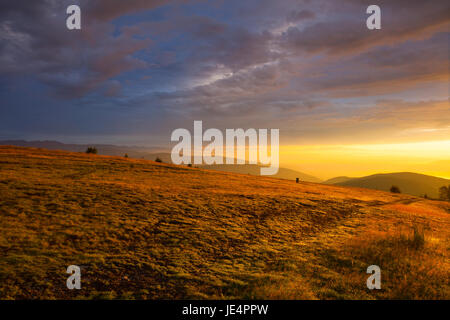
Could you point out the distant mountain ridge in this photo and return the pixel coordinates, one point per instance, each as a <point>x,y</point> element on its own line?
<point>152,154</point>
<point>410,183</point>
<point>337,180</point>
<point>254,169</point>
<point>105,149</point>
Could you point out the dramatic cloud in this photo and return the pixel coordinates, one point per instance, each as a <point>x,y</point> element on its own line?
<point>311,68</point>
<point>296,16</point>
<point>344,33</point>
<point>106,10</point>
<point>34,41</point>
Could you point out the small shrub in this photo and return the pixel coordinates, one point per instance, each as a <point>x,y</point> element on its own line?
<point>158,160</point>
<point>91,150</point>
<point>418,240</point>
<point>444,193</point>
<point>395,189</point>
<point>415,241</point>
<point>126,155</point>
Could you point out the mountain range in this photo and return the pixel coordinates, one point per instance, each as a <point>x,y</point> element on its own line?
<point>408,182</point>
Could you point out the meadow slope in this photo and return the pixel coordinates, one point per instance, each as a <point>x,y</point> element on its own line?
<point>146,230</point>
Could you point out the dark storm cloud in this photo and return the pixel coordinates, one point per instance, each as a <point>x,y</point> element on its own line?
<point>237,49</point>
<point>345,32</point>
<point>35,41</point>
<point>260,62</point>
<point>106,10</point>
<point>254,63</point>
<point>386,69</point>
<point>296,16</point>
<point>212,43</point>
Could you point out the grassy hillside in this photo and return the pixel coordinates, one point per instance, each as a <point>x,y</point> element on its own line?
<point>151,154</point>
<point>145,230</point>
<point>408,182</point>
<point>104,149</point>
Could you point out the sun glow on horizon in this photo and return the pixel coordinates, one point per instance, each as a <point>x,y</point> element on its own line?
<point>327,161</point>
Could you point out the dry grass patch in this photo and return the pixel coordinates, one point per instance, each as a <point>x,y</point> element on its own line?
<point>146,230</point>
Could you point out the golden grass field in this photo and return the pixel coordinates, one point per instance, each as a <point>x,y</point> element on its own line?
<point>145,230</point>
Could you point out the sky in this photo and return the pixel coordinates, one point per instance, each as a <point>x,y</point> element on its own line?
<point>347,100</point>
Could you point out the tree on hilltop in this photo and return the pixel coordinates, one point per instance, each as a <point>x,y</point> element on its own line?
<point>91,150</point>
